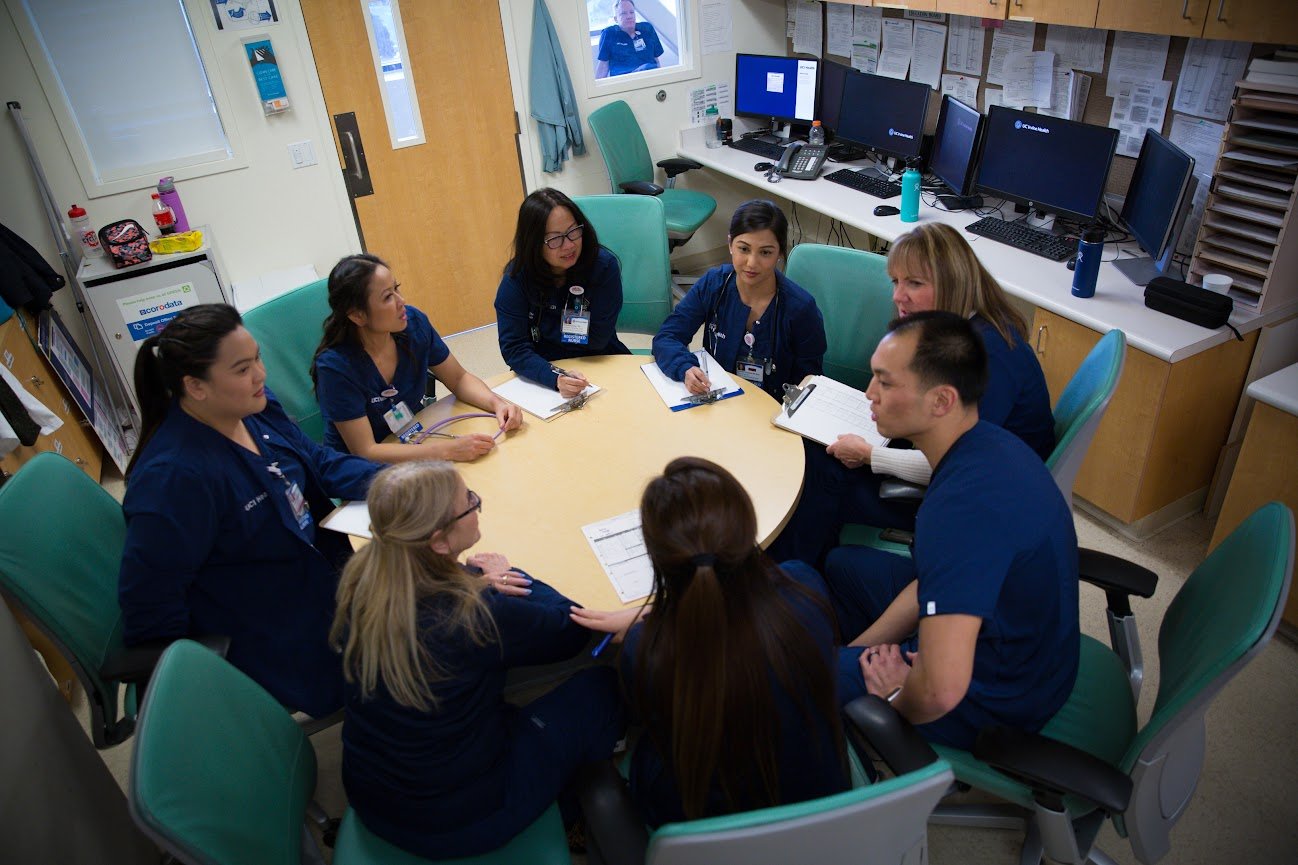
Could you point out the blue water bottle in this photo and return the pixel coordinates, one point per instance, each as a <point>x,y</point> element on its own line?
<point>1089,251</point>
<point>910,192</point>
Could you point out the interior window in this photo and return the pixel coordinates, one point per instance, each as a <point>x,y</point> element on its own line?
<point>630,37</point>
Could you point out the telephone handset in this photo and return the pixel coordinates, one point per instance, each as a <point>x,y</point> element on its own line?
<point>800,161</point>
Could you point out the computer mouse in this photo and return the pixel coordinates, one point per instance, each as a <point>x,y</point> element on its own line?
<point>763,166</point>
<point>1071,263</point>
<point>886,210</point>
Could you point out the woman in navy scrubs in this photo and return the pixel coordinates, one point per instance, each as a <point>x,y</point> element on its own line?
<point>434,760</point>
<point>627,46</point>
<point>560,296</point>
<point>223,502</point>
<point>371,370</point>
<point>757,322</point>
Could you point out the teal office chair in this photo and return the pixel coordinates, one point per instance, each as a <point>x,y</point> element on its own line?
<point>288,329</point>
<point>632,227</point>
<point>854,294</point>
<point>222,776</point>
<point>1093,761</point>
<point>626,156</point>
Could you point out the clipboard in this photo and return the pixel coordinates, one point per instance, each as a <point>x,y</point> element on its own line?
<point>824,409</point>
<point>677,397</point>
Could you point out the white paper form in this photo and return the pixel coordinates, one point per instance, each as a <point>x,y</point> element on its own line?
<point>351,518</point>
<point>1138,107</point>
<point>618,544</point>
<point>992,96</point>
<point>867,36</point>
<point>1067,99</point>
<point>830,409</point>
<point>1208,75</point>
<point>1136,57</point>
<point>838,29</point>
<point>898,46</point>
<point>809,36</point>
<point>535,399</point>
<point>1029,77</point>
<point>930,45</point>
<point>790,17</point>
<point>709,95</point>
<point>966,45</point>
<point>716,28</point>
<point>675,395</point>
<point>1201,139</point>
<point>961,87</point>
<point>1012,36</point>
<point>1077,47</point>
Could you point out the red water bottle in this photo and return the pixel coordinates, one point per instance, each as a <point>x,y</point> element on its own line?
<point>163,216</point>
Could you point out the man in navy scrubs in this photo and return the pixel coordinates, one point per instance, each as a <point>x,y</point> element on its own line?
<point>627,46</point>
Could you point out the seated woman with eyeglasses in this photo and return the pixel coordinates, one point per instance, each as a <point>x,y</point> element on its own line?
<point>731,672</point>
<point>560,296</point>
<point>434,760</point>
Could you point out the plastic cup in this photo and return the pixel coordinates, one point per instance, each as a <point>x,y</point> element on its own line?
<point>1218,282</point>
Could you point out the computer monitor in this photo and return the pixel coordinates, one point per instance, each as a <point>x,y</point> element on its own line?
<point>830,98</point>
<point>781,88</point>
<point>883,115</point>
<point>955,148</point>
<point>1162,186</point>
<point>1046,162</point>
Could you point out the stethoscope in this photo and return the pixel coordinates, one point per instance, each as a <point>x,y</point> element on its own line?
<point>711,323</point>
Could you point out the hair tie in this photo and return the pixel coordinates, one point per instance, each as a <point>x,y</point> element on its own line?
<point>704,560</point>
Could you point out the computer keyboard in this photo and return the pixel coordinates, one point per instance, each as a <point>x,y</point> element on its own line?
<point>1020,236</point>
<point>758,148</point>
<point>864,183</point>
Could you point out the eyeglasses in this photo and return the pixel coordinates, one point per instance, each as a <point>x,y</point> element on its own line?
<point>475,504</point>
<point>556,241</point>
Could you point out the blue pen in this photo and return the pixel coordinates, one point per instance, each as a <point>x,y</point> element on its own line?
<point>602,644</point>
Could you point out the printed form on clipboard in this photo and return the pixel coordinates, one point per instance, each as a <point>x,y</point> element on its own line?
<point>677,396</point>
<point>827,409</point>
<point>539,400</point>
<point>619,545</point>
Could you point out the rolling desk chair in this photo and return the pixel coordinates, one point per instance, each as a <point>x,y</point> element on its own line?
<point>626,156</point>
<point>632,228</point>
<point>288,329</point>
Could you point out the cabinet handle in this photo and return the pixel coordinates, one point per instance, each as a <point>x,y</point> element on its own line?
<point>991,2</point>
<point>1185,9</point>
<point>37,382</point>
<point>79,461</point>
<point>1221,7</point>
<point>1042,332</point>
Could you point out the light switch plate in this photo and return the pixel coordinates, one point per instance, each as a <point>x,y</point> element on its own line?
<point>302,154</point>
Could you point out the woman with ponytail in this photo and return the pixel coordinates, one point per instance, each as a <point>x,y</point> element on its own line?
<point>223,501</point>
<point>731,672</point>
<point>434,760</point>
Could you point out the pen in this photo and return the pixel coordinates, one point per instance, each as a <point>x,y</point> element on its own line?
<point>602,644</point>
<point>703,361</point>
<point>802,397</point>
<point>558,370</point>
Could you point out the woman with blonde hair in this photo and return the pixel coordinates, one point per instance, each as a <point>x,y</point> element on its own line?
<point>931,267</point>
<point>434,760</point>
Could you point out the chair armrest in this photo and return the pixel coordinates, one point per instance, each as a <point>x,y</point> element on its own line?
<point>134,664</point>
<point>678,165</point>
<point>641,187</point>
<point>1053,769</point>
<point>1118,578</point>
<point>873,725</point>
<point>901,491</point>
<point>615,829</point>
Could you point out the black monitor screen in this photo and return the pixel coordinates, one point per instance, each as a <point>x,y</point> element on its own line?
<point>883,114</point>
<point>832,76</point>
<point>779,87</point>
<point>1058,165</point>
<point>1158,187</point>
<point>955,144</point>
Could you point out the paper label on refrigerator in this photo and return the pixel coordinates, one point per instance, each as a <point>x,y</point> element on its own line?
<point>146,314</point>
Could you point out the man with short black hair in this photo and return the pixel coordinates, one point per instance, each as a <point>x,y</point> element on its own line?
<point>992,586</point>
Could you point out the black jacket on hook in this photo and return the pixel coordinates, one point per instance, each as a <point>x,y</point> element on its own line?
<point>26,279</point>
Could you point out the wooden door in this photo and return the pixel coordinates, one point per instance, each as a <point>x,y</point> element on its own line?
<point>1074,13</point>
<point>443,212</point>
<point>1174,17</point>
<point>1251,21</point>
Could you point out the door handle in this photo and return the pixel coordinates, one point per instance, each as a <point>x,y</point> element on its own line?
<point>356,171</point>
<point>355,161</point>
<point>1042,332</point>
<point>1221,7</point>
<point>1185,9</point>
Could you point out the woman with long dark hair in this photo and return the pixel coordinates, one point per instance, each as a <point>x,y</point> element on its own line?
<point>434,760</point>
<point>371,370</point>
<point>223,501</point>
<point>560,295</point>
<point>757,322</point>
<point>731,671</point>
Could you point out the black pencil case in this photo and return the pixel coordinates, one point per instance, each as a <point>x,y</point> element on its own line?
<point>1188,302</point>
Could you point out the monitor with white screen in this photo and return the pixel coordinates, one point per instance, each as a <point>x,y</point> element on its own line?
<point>780,88</point>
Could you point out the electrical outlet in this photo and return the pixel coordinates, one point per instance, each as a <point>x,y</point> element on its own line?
<point>302,154</point>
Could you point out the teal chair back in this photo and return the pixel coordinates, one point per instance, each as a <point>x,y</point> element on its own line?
<point>288,329</point>
<point>220,773</point>
<point>632,227</point>
<point>1081,407</point>
<point>60,553</point>
<point>879,823</point>
<point>854,294</point>
<point>622,144</point>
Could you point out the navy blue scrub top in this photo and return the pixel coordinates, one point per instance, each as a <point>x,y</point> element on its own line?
<point>621,53</point>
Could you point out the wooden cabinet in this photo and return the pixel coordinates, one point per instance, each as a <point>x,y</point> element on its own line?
<point>980,8</point>
<point>1174,17</point>
<point>917,5</point>
<point>1166,426</point>
<point>1251,21</point>
<point>1074,13</point>
<point>74,439</point>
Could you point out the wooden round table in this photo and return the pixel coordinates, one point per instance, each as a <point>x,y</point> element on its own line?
<point>545,481</point>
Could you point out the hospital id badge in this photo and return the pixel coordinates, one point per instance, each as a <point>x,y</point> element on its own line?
<point>638,44</point>
<point>750,370</point>
<point>397,417</point>
<point>297,502</point>
<point>576,327</point>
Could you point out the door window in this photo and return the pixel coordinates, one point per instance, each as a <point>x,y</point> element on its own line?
<point>392,66</point>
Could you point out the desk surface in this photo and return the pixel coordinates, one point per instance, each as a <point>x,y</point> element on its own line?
<point>1279,389</point>
<point>544,482</point>
<point>1117,302</point>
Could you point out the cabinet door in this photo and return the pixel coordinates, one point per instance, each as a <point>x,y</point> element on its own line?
<point>1075,13</point>
<point>978,8</point>
<point>1173,17</point>
<point>1251,21</point>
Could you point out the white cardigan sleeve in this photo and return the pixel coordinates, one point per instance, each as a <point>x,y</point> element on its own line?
<point>909,465</point>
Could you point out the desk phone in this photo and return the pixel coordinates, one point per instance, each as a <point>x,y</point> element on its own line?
<point>802,161</point>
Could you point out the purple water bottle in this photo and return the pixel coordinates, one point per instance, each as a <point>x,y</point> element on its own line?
<point>170,197</point>
<point>1089,251</point>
